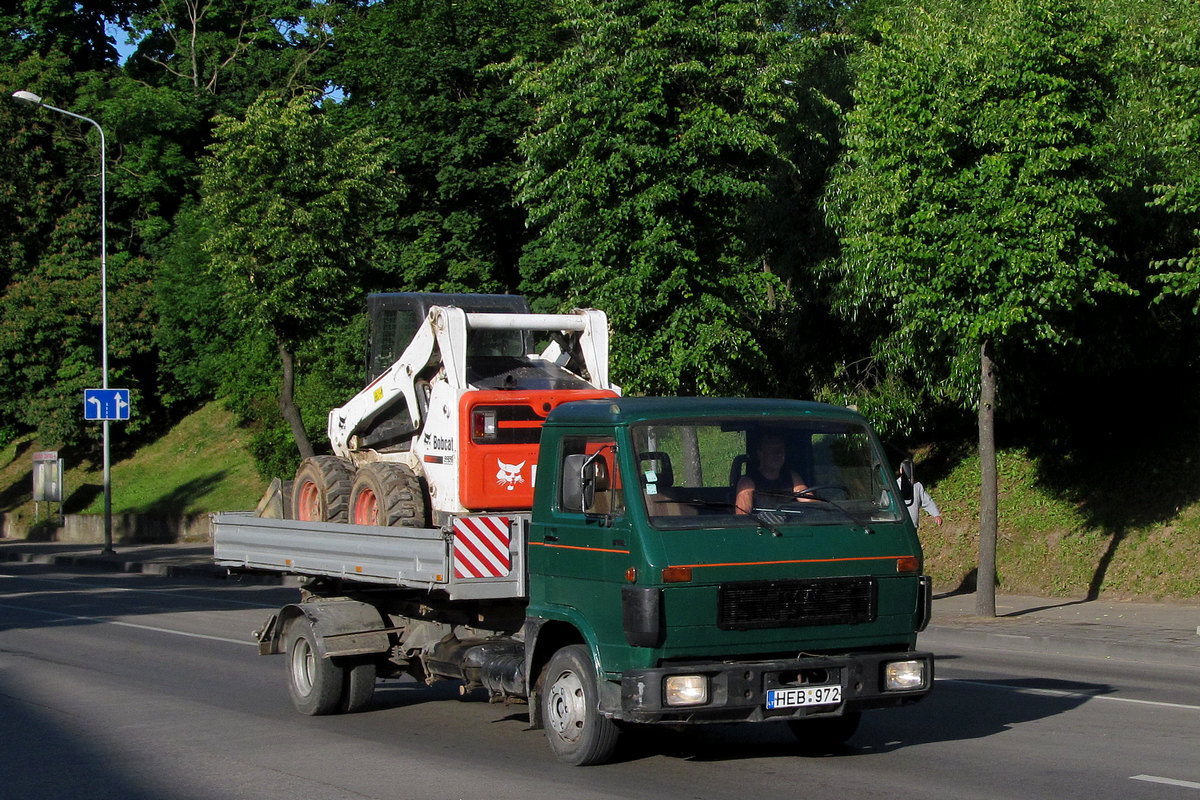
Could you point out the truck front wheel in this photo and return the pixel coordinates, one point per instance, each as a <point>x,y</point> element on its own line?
<point>576,730</point>
<point>316,684</point>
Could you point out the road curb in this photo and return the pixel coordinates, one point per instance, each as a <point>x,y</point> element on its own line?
<point>1060,643</point>
<point>162,569</point>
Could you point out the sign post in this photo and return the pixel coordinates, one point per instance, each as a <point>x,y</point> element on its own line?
<point>106,405</point>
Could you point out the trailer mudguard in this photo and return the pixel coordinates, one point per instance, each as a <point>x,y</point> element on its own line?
<point>340,627</point>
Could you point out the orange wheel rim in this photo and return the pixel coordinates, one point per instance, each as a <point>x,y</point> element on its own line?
<point>366,508</point>
<point>309,507</point>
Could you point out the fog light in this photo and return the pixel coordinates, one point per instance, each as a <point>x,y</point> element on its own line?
<point>686,690</point>
<point>899,676</point>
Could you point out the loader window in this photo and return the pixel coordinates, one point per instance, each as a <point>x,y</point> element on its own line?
<point>689,472</point>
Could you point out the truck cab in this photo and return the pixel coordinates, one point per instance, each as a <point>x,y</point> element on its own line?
<point>802,605</point>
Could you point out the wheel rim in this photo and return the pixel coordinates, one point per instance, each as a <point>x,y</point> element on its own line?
<point>303,664</point>
<point>567,706</point>
<point>366,508</point>
<point>309,507</point>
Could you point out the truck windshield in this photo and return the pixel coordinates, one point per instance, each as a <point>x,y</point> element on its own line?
<point>755,472</point>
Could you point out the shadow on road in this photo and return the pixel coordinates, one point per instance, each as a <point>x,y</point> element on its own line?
<point>955,711</point>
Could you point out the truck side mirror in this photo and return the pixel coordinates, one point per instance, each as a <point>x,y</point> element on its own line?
<point>906,481</point>
<point>578,483</point>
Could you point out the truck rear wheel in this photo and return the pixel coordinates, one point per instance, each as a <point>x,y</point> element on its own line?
<point>386,494</point>
<point>576,730</point>
<point>359,686</point>
<point>316,684</point>
<point>321,492</point>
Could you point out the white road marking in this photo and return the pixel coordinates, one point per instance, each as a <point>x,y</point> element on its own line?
<point>1167,781</point>
<point>108,588</point>
<point>1063,693</point>
<point>107,621</point>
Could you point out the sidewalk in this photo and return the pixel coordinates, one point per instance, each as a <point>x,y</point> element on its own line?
<point>1140,632</point>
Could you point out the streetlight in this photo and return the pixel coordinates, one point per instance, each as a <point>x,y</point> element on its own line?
<point>33,99</point>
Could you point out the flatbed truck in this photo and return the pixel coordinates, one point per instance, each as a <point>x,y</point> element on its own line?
<point>634,590</point>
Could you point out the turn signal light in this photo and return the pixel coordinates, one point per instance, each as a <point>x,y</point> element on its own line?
<point>908,565</point>
<point>677,575</point>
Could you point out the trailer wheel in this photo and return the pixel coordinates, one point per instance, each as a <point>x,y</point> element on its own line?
<point>316,684</point>
<point>576,730</point>
<point>825,732</point>
<point>386,494</point>
<point>359,687</point>
<point>321,492</point>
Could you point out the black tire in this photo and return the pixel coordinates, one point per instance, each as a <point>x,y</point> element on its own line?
<point>321,492</point>
<point>316,684</point>
<point>386,494</point>
<point>576,730</point>
<point>825,733</point>
<point>359,686</point>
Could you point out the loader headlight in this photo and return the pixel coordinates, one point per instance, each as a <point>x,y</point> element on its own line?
<point>686,690</point>
<point>903,676</point>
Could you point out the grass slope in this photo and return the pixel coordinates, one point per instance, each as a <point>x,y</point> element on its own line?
<point>1082,535</point>
<point>200,465</point>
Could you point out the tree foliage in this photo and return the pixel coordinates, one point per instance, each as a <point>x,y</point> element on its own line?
<point>1014,173</point>
<point>971,201</point>
<point>423,72</point>
<point>658,141</point>
<point>290,204</point>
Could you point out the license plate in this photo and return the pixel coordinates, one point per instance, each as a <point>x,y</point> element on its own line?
<point>804,696</point>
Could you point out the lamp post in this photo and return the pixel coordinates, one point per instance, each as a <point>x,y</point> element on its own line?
<point>33,99</point>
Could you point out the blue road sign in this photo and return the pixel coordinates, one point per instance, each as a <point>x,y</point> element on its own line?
<point>105,404</point>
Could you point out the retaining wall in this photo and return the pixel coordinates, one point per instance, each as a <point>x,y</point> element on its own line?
<point>126,528</point>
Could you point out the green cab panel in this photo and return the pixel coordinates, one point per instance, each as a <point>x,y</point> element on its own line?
<point>702,528</point>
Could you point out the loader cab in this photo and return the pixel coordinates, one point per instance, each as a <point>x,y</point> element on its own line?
<point>394,318</point>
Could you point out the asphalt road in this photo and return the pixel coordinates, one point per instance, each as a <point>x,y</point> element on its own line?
<point>129,686</point>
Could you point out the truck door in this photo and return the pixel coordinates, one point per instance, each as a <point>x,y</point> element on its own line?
<point>580,550</point>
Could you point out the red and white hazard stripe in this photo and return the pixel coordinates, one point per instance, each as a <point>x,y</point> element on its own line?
<point>481,547</point>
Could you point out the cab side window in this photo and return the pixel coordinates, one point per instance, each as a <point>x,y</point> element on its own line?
<point>588,479</point>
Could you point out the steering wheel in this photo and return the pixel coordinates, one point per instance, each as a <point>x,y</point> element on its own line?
<point>828,492</point>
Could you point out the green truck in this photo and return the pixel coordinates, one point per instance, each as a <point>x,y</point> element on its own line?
<point>684,561</point>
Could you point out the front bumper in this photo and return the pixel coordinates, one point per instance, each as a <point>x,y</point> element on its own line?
<point>737,691</point>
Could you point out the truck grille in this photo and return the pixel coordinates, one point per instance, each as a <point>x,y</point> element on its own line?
<point>788,604</point>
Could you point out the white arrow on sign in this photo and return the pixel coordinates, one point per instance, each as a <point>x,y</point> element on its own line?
<point>120,402</point>
<point>96,400</point>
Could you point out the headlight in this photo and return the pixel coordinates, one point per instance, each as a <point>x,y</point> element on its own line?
<point>686,690</point>
<point>900,676</point>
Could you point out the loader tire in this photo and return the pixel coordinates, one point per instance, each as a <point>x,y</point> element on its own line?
<point>387,494</point>
<point>321,492</point>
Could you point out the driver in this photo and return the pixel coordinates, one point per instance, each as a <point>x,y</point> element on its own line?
<point>766,475</point>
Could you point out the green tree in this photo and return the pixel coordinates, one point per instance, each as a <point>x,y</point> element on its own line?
<point>661,183</point>
<point>972,199</point>
<point>423,72</point>
<point>1175,48</point>
<point>291,205</point>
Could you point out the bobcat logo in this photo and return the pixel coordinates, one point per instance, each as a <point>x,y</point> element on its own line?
<point>509,475</point>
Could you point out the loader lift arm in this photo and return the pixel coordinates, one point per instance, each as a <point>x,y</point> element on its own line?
<point>441,343</point>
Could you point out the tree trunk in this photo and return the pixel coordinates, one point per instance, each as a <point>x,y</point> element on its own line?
<point>287,402</point>
<point>985,581</point>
